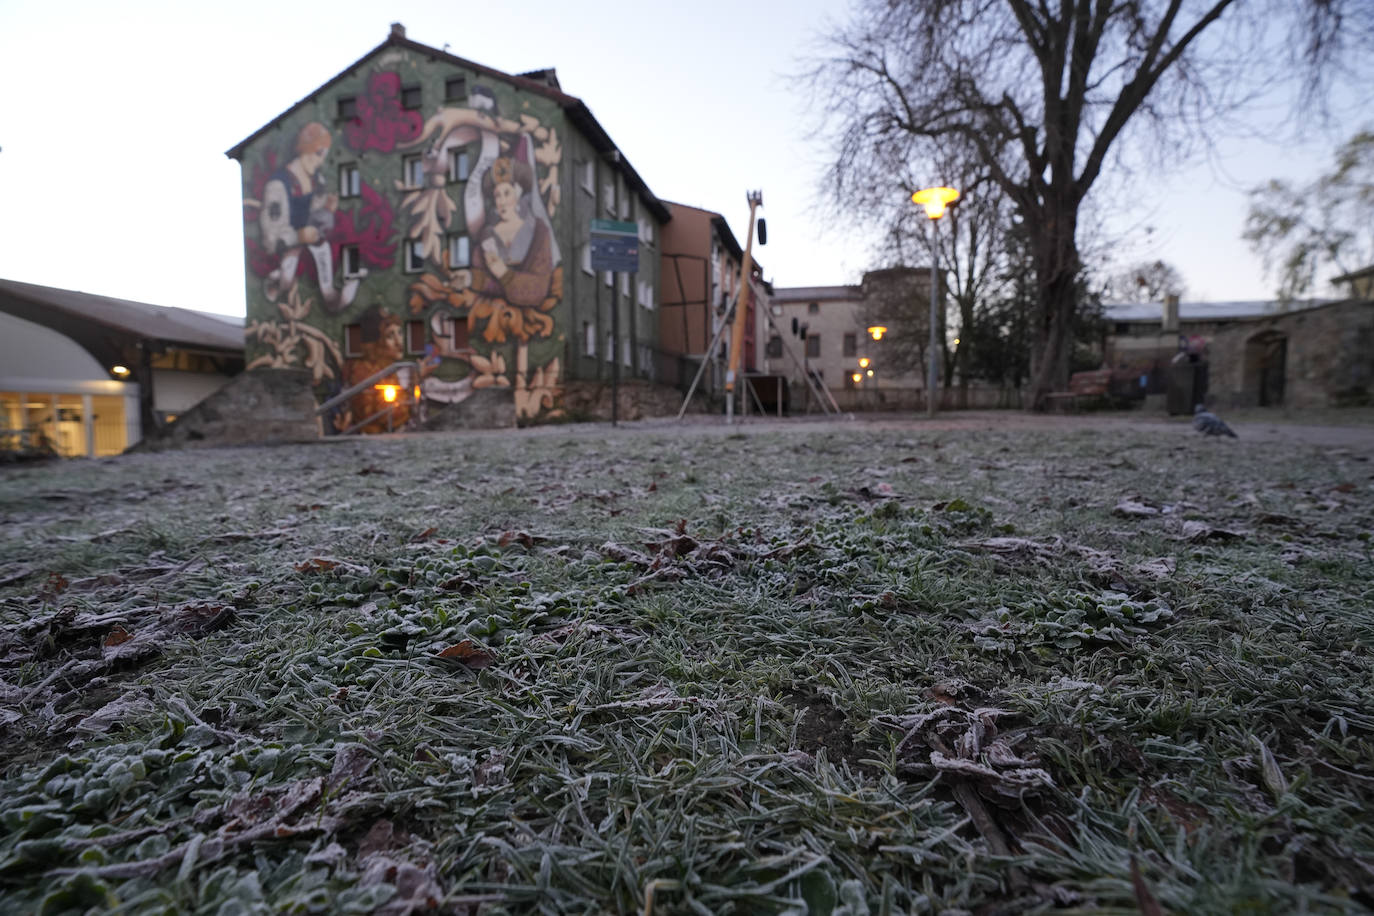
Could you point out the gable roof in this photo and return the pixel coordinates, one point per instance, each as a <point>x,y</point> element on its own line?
<point>576,110</point>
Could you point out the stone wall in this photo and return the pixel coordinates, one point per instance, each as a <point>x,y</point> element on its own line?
<point>639,400</point>
<point>258,407</point>
<point>1329,359</point>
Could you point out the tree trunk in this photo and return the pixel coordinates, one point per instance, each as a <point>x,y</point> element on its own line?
<point>1057,276</point>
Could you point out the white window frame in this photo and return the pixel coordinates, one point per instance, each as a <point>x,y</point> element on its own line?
<point>625,207</point>
<point>350,180</point>
<point>352,253</point>
<point>587,259</point>
<point>411,167</point>
<point>608,197</point>
<point>610,346</point>
<point>608,278</point>
<point>462,243</point>
<point>625,285</point>
<point>414,256</point>
<point>588,338</point>
<point>626,351</point>
<point>459,163</point>
<point>589,177</point>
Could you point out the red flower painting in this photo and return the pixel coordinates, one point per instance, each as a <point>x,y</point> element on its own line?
<point>381,122</point>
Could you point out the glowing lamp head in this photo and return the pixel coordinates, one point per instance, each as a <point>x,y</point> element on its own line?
<point>120,371</point>
<point>857,377</point>
<point>863,362</point>
<point>870,373</point>
<point>935,200</point>
<point>877,331</point>
<point>388,392</point>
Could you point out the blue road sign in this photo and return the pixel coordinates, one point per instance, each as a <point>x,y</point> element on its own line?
<point>615,245</point>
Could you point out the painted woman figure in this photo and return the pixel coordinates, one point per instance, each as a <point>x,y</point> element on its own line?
<point>514,257</point>
<point>297,214</point>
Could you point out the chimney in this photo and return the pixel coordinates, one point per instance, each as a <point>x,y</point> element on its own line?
<point>1170,314</point>
<point>398,30</point>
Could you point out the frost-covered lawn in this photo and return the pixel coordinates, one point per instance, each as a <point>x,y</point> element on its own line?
<point>828,668</point>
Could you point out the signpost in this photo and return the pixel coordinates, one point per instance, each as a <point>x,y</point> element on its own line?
<point>615,247</point>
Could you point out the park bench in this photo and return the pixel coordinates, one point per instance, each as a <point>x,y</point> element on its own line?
<point>1084,388</point>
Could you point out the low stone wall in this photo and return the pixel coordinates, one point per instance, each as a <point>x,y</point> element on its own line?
<point>485,408</point>
<point>639,400</point>
<point>259,407</point>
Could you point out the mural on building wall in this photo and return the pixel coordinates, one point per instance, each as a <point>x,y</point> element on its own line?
<point>512,279</point>
<point>490,273</point>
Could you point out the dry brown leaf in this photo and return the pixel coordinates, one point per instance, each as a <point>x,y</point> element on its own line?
<point>469,654</point>
<point>424,534</point>
<point>523,538</point>
<point>316,564</point>
<point>117,636</point>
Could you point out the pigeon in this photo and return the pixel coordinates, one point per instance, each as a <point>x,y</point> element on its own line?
<point>1209,424</point>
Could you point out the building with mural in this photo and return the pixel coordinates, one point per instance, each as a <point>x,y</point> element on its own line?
<point>421,207</point>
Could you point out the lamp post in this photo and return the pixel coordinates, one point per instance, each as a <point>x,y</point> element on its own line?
<point>935,201</point>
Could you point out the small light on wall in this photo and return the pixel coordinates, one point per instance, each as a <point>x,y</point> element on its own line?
<point>870,373</point>
<point>956,341</point>
<point>857,378</point>
<point>877,331</point>
<point>120,371</point>
<point>863,362</point>
<point>388,392</point>
<point>417,392</point>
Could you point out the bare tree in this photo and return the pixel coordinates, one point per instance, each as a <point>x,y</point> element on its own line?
<point>1041,94</point>
<point>1147,281</point>
<point>1325,227</point>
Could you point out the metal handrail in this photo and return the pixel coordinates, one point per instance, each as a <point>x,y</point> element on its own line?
<point>347,394</point>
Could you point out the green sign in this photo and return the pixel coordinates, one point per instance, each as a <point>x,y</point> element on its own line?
<point>615,227</point>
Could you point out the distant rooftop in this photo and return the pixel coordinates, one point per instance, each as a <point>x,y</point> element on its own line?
<point>816,293</point>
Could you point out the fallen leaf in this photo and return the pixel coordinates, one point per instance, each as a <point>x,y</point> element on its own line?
<point>1343,488</point>
<point>424,534</point>
<point>523,538</point>
<point>316,564</point>
<point>468,653</point>
<point>1273,777</point>
<point>117,636</point>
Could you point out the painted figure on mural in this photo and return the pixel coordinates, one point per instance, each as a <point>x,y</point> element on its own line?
<point>296,216</point>
<point>514,258</point>
<point>383,343</point>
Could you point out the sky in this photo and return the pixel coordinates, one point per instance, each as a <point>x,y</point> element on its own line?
<point>115,119</point>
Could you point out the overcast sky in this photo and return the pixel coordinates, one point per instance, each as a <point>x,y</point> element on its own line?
<point>114,119</point>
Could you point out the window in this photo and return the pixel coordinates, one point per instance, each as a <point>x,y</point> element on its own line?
<point>588,339</point>
<point>459,252</point>
<point>456,89</point>
<point>350,182</point>
<point>624,284</point>
<point>851,345</point>
<point>608,277</point>
<point>353,340</point>
<point>813,308</point>
<point>352,261</point>
<point>610,347</point>
<point>646,294</point>
<point>625,208</point>
<point>456,328</point>
<point>625,351</point>
<point>774,348</point>
<point>813,345</point>
<point>587,259</point>
<point>415,255</point>
<point>588,170</point>
<point>459,164</point>
<point>415,337</point>
<point>646,231</point>
<point>348,108</point>
<point>608,197</point>
<point>413,171</point>
<point>410,97</point>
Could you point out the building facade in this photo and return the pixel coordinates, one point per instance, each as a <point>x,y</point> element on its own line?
<point>701,267</point>
<point>421,207</point>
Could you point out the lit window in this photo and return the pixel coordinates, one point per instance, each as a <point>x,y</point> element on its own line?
<point>459,251</point>
<point>352,261</point>
<point>415,255</point>
<point>350,181</point>
<point>459,165</point>
<point>456,89</point>
<point>413,171</point>
<point>410,97</point>
<point>348,108</point>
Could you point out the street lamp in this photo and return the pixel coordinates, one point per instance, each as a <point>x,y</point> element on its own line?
<point>935,201</point>
<point>877,331</point>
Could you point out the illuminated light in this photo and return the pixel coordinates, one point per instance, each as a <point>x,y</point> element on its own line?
<point>863,362</point>
<point>935,200</point>
<point>388,392</point>
<point>956,341</point>
<point>857,378</point>
<point>417,387</point>
<point>120,370</point>
<point>877,331</point>
<point>870,373</point>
